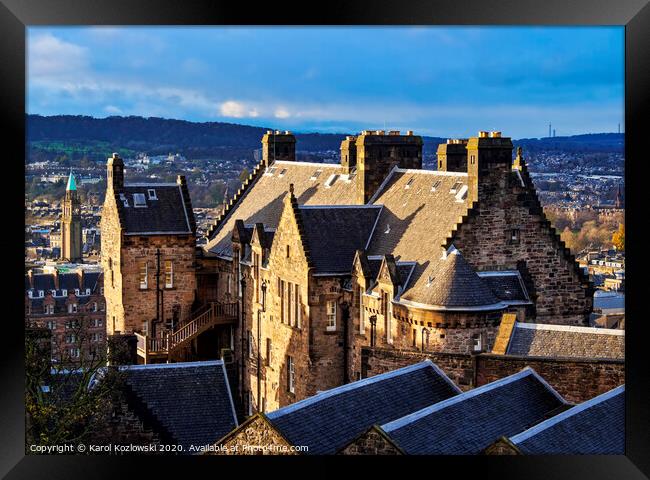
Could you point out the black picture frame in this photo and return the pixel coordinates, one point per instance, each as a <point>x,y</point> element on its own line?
<point>16,15</point>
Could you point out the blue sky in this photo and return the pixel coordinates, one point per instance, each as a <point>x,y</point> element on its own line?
<point>441,81</point>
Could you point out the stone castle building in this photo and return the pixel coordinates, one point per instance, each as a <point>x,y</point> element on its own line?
<point>327,259</point>
<point>311,264</point>
<point>71,244</point>
<point>149,261</point>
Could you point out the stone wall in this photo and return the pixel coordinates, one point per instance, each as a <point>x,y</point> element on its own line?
<point>255,437</point>
<point>576,380</point>
<point>372,442</point>
<point>561,294</point>
<point>140,304</point>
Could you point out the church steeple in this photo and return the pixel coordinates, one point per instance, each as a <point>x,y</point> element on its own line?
<point>71,237</point>
<point>72,184</point>
<point>619,197</point>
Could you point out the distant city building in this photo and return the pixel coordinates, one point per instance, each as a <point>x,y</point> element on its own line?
<point>71,240</point>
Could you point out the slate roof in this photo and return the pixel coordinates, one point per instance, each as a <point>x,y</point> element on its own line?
<point>594,427</point>
<point>335,233</point>
<point>43,281</point>
<point>263,199</point>
<point>191,401</point>
<point>466,424</point>
<point>453,283</point>
<point>506,286</point>
<point>416,221</point>
<point>540,340</point>
<point>329,420</point>
<point>166,215</point>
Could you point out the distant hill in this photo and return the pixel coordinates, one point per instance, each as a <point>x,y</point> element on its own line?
<point>77,136</point>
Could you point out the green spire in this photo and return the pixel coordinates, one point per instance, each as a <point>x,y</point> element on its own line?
<point>72,185</point>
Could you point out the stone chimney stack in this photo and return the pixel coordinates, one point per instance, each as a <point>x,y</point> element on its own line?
<point>489,162</point>
<point>349,153</point>
<point>452,156</point>
<point>378,153</point>
<point>115,173</point>
<point>278,145</point>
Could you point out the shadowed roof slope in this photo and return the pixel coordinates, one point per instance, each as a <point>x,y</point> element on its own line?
<point>192,400</point>
<point>335,233</point>
<point>421,208</point>
<point>329,420</point>
<point>263,200</point>
<point>166,214</point>
<point>595,427</point>
<point>468,423</point>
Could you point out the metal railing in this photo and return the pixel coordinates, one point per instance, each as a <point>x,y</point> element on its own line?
<point>215,314</point>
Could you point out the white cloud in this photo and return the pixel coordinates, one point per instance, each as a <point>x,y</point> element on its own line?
<point>281,112</point>
<point>235,109</point>
<point>49,55</point>
<point>112,109</point>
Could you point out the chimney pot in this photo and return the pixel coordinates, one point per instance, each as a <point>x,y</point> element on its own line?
<point>409,132</point>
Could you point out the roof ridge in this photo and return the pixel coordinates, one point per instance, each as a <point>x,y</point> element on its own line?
<point>353,386</point>
<point>426,411</point>
<point>250,180</point>
<point>526,434</point>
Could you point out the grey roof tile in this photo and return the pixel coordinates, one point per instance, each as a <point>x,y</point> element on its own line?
<point>328,421</point>
<point>468,423</point>
<point>595,427</point>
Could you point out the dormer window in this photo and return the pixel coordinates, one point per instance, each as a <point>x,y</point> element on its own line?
<point>49,309</point>
<point>30,293</point>
<point>72,308</point>
<point>152,194</point>
<point>76,292</point>
<point>139,201</point>
<point>455,187</point>
<point>53,293</point>
<point>330,181</point>
<point>88,291</point>
<point>435,186</point>
<point>41,293</point>
<point>64,292</point>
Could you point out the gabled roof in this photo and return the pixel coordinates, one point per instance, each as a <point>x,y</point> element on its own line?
<point>595,427</point>
<point>331,419</point>
<point>169,213</point>
<point>563,341</point>
<point>334,234</point>
<point>417,220</point>
<point>191,401</point>
<point>262,201</point>
<point>452,283</point>
<point>468,423</point>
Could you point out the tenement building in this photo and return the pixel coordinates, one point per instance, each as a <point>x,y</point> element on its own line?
<point>326,260</point>
<point>70,304</point>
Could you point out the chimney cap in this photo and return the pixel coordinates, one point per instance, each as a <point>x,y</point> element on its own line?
<point>495,134</point>
<point>409,132</point>
<point>269,132</point>
<point>277,132</point>
<point>287,132</point>
<point>482,134</point>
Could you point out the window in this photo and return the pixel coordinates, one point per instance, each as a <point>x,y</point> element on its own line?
<point>477,343</point>
<point>415,337</point>
<point>94,306</point>
<point>40,293</point>
<point>514,236</point>
<point>268,352</point>
<point>291,376</point>
<point>50,324</point>
<point>473,159</point>
<point>49,309</point>
<point>70,338</point>
<point>331,316</point>
<point>455,187</point>
<point>249,402</point>
<point>439,164</point>
<point>74,352</point>
<point>250,345</point>
<point>388,320</point>
<point>143,275</point>
<point>296,299</point>
<point>97,322</point>
<point>96,337</point>
<point>229,284</point>
<point>288,251</point>
<point>316,174</point>
<point>76,291</point>
<point>169,274</point>
<point>362,325</point>
<point>152,194</point>
<point>72,308</point>
<point>64,293</point>
<point>145,328</point>
<point>290,303</point>
<point>283,302</point>
<point>139,200</point>
<point>409,183</point>
<point>435,186</point>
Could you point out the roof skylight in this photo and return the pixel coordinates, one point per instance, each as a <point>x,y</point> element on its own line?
<point>139,201</point>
